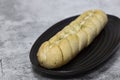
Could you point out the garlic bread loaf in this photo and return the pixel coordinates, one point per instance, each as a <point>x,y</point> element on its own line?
<point>67,43</point>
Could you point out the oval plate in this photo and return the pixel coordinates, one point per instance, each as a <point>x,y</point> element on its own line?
<point>103,46</point>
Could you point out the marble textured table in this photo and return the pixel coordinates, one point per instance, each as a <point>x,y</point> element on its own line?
<point>22,21</point>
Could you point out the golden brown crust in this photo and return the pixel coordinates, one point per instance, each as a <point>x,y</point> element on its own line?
<point>68,42</point>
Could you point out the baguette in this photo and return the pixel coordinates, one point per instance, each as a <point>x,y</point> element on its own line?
<point>68,42</point>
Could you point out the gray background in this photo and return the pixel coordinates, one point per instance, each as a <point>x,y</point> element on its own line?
<point>23,21</point>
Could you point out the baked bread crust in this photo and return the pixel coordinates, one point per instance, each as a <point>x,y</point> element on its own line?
<point>68,42</point>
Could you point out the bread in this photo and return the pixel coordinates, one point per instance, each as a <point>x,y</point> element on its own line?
<point>68,42</point>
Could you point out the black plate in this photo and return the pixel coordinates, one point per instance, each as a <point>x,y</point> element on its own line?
<point>96,53</point>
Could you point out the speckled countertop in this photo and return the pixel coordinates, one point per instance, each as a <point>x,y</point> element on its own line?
<point>23,21</point>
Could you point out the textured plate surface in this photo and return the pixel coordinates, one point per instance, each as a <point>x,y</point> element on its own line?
<point>103,46</point>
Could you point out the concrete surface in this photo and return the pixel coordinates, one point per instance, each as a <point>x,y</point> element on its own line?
<point>22,21</point>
